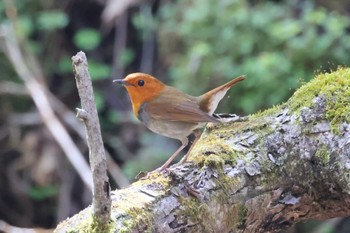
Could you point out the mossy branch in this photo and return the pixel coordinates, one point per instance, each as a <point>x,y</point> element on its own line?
<point>286,164</point>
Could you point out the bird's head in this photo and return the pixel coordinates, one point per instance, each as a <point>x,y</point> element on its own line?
<point>141,88</point>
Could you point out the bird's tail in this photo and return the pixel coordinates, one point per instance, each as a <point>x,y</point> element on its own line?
<point>210,100</point>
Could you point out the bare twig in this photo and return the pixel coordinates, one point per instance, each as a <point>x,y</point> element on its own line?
<point>38,93</point>
<point>101,198</point>
<point>12,88</point>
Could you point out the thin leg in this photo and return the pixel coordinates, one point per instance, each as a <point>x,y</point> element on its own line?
<point>197,134</point>
<point>172,157</point>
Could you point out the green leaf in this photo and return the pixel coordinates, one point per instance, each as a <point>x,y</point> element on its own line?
<point>64,65</point>
<point>99,70</point>
<point>99,100</point>
<point>52,20</point>
<point>24,26</point>
<point>42,192</point>
<point>126,57</point>
<point>87,39</point>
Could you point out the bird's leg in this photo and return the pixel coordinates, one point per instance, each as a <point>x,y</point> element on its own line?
<point>197,134</point>
<point>172,157</point>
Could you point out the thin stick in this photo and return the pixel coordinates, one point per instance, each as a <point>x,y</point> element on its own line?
<point>88,113</point>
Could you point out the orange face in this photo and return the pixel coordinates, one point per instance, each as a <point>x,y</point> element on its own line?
<point>141,88</point>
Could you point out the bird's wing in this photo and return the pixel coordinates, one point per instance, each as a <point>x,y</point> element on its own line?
<point>177,106</point>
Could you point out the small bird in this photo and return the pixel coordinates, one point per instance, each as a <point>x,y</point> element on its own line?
<point>170,112</point>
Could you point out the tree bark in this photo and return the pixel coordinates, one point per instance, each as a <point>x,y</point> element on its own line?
<point>88,114</point>
<point>281,166</point>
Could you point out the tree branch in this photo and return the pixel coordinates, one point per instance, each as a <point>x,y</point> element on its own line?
<point>286,164</point>
<point>101,197</point>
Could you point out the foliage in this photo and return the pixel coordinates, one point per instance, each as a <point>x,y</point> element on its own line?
<point>87,38</point>
<point>274,43</point>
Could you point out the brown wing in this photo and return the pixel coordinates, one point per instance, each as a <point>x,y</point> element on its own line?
<point>177,106</point>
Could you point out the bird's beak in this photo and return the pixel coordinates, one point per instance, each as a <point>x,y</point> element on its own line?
<point>122,82</point>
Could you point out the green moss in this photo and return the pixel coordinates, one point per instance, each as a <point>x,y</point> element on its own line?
<point>243,212</point>
<point>268,112</point>
<point>71,231</point>
<point>270,176</point>
<point>323,154</point>
<point>97,226</point>
<point>214,161</point>
<point>235,213</point>
<point>154,178</point>
<point>193,208</point>
<point>93,225</point>
<point>135,209</point>
<point>214,149</point>
<point>140,219</point>
<point>335,86</point>
<point>210,151</point>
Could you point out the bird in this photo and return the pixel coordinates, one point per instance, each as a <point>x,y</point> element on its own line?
<point>168,111</point>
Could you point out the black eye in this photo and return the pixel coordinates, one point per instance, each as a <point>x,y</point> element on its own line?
<point>141,83</point>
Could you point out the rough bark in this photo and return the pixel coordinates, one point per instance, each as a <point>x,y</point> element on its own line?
<point>287,164</point>
<point>88,114</point>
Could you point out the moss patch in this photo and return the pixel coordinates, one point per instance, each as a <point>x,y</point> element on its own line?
<point>268,112</point>
<point>214,148</point>
<point>92,225</point>
<point>194,209</point>
<point>139,218</point>
<point>154,178</point>
<point>335,86</point>
<point>243,212</point>
<point>323,155</point>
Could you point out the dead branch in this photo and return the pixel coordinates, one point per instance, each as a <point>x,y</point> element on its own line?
<point>88,114</point>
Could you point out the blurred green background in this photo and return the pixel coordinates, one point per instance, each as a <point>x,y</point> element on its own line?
<point>193,45</point>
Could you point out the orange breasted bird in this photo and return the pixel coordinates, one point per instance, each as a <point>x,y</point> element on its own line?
<point>170,112</point>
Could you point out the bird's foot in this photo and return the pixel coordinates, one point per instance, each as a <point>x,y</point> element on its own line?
<point>152,174</point>
<point>229,117</point>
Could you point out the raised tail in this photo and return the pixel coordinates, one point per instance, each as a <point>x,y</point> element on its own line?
<point>210,100</point>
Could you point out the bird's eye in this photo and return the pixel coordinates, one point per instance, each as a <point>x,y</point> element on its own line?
<point>141,83</point>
